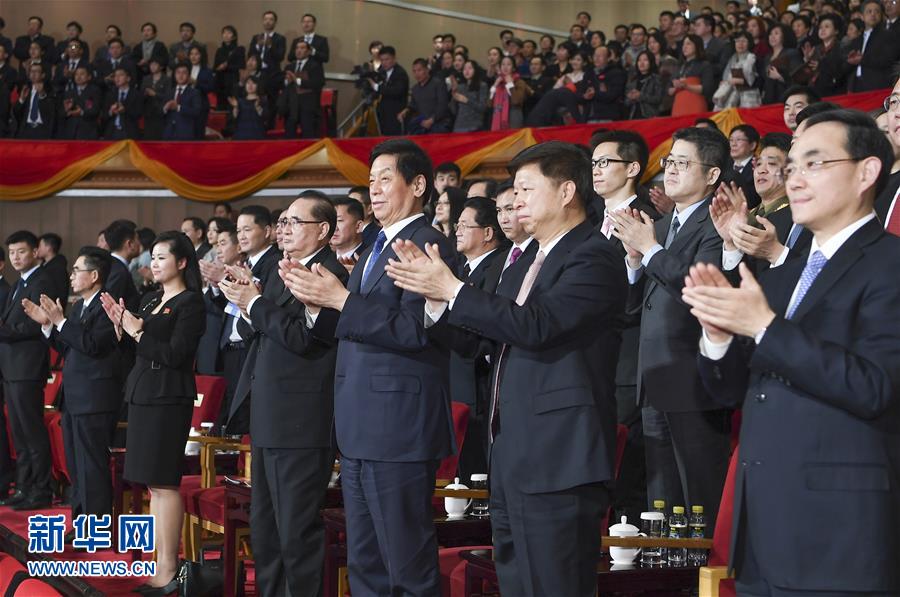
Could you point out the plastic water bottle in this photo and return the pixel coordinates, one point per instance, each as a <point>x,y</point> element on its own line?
<point>660,506</point>
<point>697,524</point>
<point>677,530</point>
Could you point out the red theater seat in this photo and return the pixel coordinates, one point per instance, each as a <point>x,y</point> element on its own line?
<point>9,566</point>
<point>51,390</point>
<point>33,587</point>
<point>210,391</point>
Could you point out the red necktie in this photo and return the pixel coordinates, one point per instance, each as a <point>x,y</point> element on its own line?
<point>893,223</point>
<point>178,95</point>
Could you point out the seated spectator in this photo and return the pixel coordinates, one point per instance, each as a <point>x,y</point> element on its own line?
<point>780,65</point>
<point>123,107</point>
<point>507,97</point>
<point>428,110</point>
<point>105,67</point>
<point>300,103</point>
<point>645,90</point>
<point>538,83</point>
<point>826,62</point>
<point>738,86</point>
<point>64,73</point>
<point>561,66</point>
<point>73,34</point>
<point>35,111</point>
<point>181,50</point>
<point>81,107</point>
<point>182,109</point>
<point>469,100</point>
<point>607,90</point>
<point>250,112</point>
<point>203,81</point>
<point>447,210</point>
<point>227,64</point>
<point>155,91</point>
<point>695,83</point>
<point>112,32</point>
<point>147,49</point>
<point>566,99</point>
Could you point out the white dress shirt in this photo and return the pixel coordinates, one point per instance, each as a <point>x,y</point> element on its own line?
<point>46,329</point>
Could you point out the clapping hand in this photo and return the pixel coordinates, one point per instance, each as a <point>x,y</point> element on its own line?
<point>762,243</point>
<point>214,271</point>
<point>422,273</point>
<point>35,312</point>
<point>722,310</point>
<point>114,310</point>
<point>661,201</point>
<point>316,287</point>
<point>635,229</point>
<point>53,309</point>
<point>729,205</point>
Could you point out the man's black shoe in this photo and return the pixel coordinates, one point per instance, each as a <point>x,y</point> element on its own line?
<point>14,499</point>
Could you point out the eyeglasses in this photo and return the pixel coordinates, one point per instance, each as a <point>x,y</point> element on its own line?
<point>463,226</point>
<point>605,161</point>
<point>891,103</point>
<point>812,168</point>
<point>78,270</point>
<point>295,222</point>
<point>680,165</point>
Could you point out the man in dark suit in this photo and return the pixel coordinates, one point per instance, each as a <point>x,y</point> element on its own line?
<point>743,142</point>
<point>481,243</point>
<point>122,107</point>
<point>9,77</point>
<point>105,68</point>
<point>80,109</point>
<point>392,406</point>
<point>35,111</point>
<point>270,47</point>
<point>180,50</point>
<point>24,367</point>
<point>54,265</point>
<point>6,466</point>
<point>300,101</point>
<point>183,109</point>
<point>254,233</point>
<point>35,25</point>
<point>817,373</point>
<point>60,53</point>
<point>121,236</point>
<point>886,202</point>
<point>393,90</point>
<point>608,80</point>
<point>195,229</point>
<point>209,355</point>
<point>370,224</point>
<point>289,380</point>
<point>318,43</point>
<point>872,55</point>
<point>5,288</point>
<point>686,433</point>
<point>64,71</point>
<point>91,380</point>
<point>552,416</point>
<point>618,162</point>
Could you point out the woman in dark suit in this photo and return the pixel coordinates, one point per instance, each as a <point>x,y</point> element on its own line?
<point>160,390</point>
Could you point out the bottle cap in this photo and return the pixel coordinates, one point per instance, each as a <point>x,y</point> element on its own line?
<point>479,477</point>
<point>658,504</point>
<point>678,509</point>
<point>697,509</point>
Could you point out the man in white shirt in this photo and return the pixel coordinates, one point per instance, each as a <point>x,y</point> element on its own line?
<point>817,375</point>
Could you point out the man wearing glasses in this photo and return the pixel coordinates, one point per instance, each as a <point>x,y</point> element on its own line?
<point>91,379</point>
<point>686,434</point>
<point>743,141</point>
<point>817,374</point>
<point>289,380</point>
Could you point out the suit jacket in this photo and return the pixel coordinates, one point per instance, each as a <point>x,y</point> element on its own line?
<point>667,377</point>
<point>180,123</point>
<point>129,120</point>
<point>59,53</point>
<point>319,45</point>
<point>394,94</point>
<point>57,269</point>
<point>178,48</point>
<point>91,373</point>
<point>159,53</point>
<point>83,127</point>
<point>289,373</point>
<point>47,109</point>
<point>391,395</point>
<point>556,386</point>
<point>882,51</point>
<point>163,371</point>
<point>64,79</point>
<point>5,290</point>
<point>23,354</point>
<point>103,68</point>
<point>609,92</point>
<point>886,197</point>
<point>120,284</point>
<point>820,435</point>
<point>208,349</point>
<point>23,42</point>
<point>270,57</point>
<point>470,374</point>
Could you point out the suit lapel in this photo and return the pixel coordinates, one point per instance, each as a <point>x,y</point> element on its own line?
<point>557,256</point>
<point>377,270</point>
<point>849,253</point>
<point>689,228</point>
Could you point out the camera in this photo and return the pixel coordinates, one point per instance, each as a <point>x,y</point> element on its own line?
<point>364,74</point>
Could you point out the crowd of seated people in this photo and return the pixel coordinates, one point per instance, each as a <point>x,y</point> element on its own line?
<point>688,62</point>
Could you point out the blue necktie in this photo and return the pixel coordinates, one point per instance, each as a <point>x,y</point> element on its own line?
<point>815,264</point>
<point>794,235</point>
<point>376,253</point>
<point>35,110</point>
<point>119,115</point>
<point>675,226</point>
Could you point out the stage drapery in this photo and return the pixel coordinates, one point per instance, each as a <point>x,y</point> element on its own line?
<point>216,171</point>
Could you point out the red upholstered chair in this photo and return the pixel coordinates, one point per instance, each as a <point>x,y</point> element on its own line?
<point>56,360</point>
<point>32,587</point>
<point>9,566</point>
<point>328,102</point>
<point>210,391</point>
<point>53,422</point>
<point>51,390</point>
<point>460,413</point>
<point>714,578</point>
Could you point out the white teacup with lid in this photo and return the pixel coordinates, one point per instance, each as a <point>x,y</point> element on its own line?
<point>456,507</point>
<point>624,555</point>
